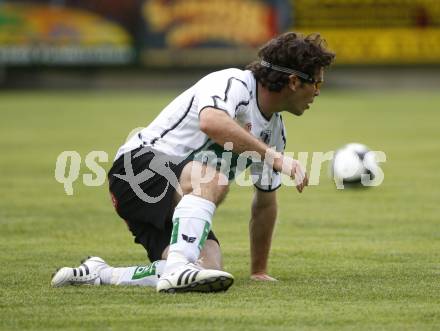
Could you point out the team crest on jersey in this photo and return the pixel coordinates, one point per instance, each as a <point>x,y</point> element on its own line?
<point>265,136</point>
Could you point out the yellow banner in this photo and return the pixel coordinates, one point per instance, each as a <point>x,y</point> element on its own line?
<point>383,46</point>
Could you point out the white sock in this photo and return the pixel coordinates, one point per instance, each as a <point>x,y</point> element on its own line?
<point>133,276</point>
<point>191,224</point>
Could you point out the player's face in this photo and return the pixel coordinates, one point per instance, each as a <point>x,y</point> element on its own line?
<point>302,94</point>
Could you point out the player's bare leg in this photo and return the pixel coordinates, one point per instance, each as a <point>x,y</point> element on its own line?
<point>210,255</point>
<point>203,189</point>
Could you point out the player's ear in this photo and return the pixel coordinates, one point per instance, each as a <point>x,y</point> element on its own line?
<point>293,82</point>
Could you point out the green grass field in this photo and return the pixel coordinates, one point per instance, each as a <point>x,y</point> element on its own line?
<point>346,260</point>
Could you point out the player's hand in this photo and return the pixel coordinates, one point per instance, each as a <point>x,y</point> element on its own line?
<point>263,278</point>
<point>293,169</point>
<point>300,176</point>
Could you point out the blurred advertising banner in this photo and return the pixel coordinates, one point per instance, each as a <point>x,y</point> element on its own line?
<point>393,46</point>
<point>382,32</point>
<point>209,32</point>
<point>206,33</point>
<point>46,34</point>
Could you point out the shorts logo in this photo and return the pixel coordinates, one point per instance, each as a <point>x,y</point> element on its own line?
<point>188,239</point>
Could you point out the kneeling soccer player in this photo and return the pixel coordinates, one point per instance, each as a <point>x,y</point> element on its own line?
<point>166,187</point>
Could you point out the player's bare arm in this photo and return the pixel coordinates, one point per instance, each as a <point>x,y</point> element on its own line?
<point>261,227</point>
<point>221,128</point>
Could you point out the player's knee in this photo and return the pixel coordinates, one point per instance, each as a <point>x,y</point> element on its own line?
<point>221,192</point>
<point>203,181</point>
<point>217,189</point>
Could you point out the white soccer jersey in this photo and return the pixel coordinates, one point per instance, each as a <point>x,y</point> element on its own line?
<point>176,131</point>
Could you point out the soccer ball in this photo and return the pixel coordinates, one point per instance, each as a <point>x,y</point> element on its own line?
<point>352,164</point>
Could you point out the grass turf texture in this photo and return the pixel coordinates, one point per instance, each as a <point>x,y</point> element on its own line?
<point>346,260</point>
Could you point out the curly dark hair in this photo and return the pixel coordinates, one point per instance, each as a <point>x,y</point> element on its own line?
<point>292,50</point>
